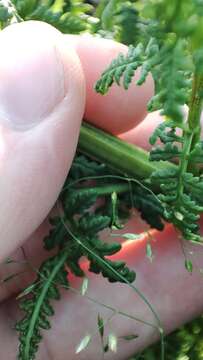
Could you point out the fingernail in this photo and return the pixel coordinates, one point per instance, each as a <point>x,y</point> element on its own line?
<point>31,74</point>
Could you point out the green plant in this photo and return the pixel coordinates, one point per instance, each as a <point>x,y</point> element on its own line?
<point>183,344</point>
<point>69,16</point>
<point>173,56</point>
<point>120,20</point>
<point>67,235</point>
<point>75,234</point>
<point>163,47</point>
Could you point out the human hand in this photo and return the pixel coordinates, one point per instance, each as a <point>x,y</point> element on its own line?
<point>42,92</point>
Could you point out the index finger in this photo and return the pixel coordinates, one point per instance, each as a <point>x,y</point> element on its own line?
<point>119,110</point>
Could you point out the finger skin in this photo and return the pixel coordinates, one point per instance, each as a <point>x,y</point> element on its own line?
<point>176,295</point>
<point>36,155</point>
<point>25,154</point>
<point>119,110</point>
<point>141,133</point>
<point>26,260</point>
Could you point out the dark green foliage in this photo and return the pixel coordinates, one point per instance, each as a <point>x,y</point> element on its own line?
<point>183,344</point>
<point>148,205</point>
<point>120,19</point>
<point>164,59</point>
<point>82,168</point>
<point>126,20</point>
<point>196,154</point>
<point>37,306</point>
<point>8,14</point>
<point>5,14</point>
<point>172,53</point>
<point>68,17</point>
<point>121,68</point>
<point>170,79</point>
<point>181,190</point>
<point>57,235</point>
<point>74,234</point>
<point>180,208</point>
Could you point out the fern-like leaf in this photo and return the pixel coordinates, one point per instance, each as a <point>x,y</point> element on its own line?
<point>127,21</point>
<point>69,17</point>
<point>173,85</point>
<point>38,307</point>
<point>75,234</point>
<point>122,66</point>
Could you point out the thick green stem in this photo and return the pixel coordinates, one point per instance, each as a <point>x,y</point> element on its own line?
<point>133,161</point>
<point>188,137</point>
<point>195,108</point>
<point>193,132</point>
<point>123,157</point>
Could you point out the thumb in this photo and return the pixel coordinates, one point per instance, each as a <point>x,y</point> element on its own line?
<point>42,100</point>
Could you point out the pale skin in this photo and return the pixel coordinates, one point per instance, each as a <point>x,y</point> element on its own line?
<point>43,98</point>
